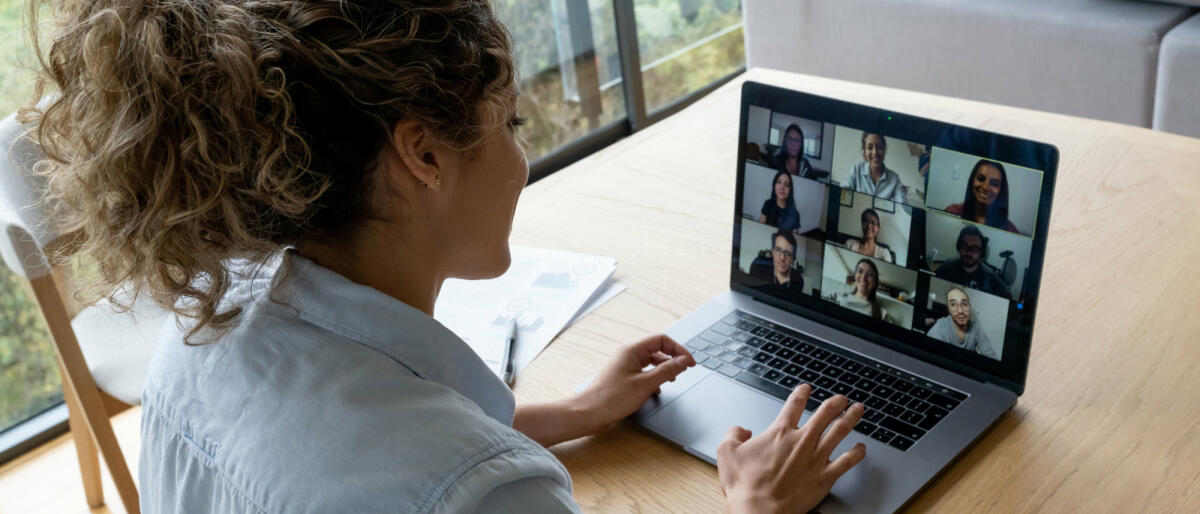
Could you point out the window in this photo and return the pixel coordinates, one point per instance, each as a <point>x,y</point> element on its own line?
<point>594,71</point>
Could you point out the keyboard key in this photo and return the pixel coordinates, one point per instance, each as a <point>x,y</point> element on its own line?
<point>789,382</point>
<point>697,344</point>
<point>763,385</point>
<point>745,326</point>
<point>773,375</point>
<point>903,385</point>
<point>858,396</point>
<point>920,392</point>
<point>883,391</point>
<point>758,369</point>
<point>761,357</point>
<point>873,416</point>
<point>883,435</point>
<point>836,360</point>
<point>885,379</point>
<point>902,399</point>
<point>775,337</point>
<point>731,318</point>
<point>712,337</point>
<point>770,347</point>
<point>785,353</point>
<point>832,372</point>
<point>789,342</point>
<point>700,358</point>
<point>743,362</point>
<point>892,409</point>
<point>809,375</point>
<point>876,402</point>
<point>902,428</point>
<point>723,329</point>
<point>741,336</point>
<point>942,401</point>
<point>806,348</point>
<point>842,389</point>
<point>733,345</point>
<point>870,373</point>
<point>821,394</point>
<point>816,365</point>
<point>932,417</point>
<point>954,394</point>
<point>729,356</point>
<point>792,369</point>
<point>901,443</point>
<point>866,385</point>
<point>864,427</point>
<point>755,342</point>
<point>747,352</point>
<point>777,363</point>
<point>800,359</point>
<point>729,370</point>
<point>852,366</point>
<point>911,417</point>
<point>820,353</point>
<point>826,382</point>
<point>760,331</point>
<point>714,351</point>
<point>918,405</point>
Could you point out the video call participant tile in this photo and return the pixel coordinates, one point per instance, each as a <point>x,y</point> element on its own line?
<point>782,264</point>
<point>878,165</point>
<point>991,193</point>
<point>992,260</point>
<point>965,318</point>
<point>873,227</point>
<point>784,201</point>
<point>869,286</point>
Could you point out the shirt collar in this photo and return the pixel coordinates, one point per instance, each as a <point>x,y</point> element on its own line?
<point>394,328</point>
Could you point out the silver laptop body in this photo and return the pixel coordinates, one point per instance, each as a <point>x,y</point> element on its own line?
<point>728,389</point>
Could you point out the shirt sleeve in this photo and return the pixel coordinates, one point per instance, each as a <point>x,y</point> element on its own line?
<point>528,495</point>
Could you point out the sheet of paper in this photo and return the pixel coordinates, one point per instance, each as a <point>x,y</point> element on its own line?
<point>607,292</point>
<point>542,289</point>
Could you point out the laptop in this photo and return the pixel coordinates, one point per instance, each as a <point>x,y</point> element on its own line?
<point>886,257</point>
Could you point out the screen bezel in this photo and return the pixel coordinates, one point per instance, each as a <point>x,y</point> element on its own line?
<point>1009,372</point>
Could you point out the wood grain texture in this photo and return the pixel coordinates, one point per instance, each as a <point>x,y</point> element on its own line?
<point>1110,420</point>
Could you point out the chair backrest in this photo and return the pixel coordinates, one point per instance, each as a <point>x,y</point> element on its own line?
<point>26,228</point>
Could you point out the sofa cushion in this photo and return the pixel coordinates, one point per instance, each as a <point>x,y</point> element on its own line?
<point>1177,96</point>
<point>1093,58</point>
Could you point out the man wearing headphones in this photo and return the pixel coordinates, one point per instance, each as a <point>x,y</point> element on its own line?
<point>968,268</point>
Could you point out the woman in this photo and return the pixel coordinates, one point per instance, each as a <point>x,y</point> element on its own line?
<point>862,297</point>
<point>986,198</point>
<point>780,209</point>
<point>790,158</point>
<point>870,231</point>
<point>369,147</point>
<point>871,176</point>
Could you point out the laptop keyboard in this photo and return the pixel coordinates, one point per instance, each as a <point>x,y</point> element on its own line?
<point>901,407</point>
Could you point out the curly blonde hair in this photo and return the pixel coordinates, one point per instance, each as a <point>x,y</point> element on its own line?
<point>190,132</point>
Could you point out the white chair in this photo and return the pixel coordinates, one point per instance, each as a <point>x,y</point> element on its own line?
<point>103,355</point>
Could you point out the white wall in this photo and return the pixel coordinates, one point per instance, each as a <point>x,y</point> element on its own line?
<point>991,312</point>
<point>839,264</point>
<point>950,170</point>
<point>757,124</point>
<point>847,152</point>
<point>941,233</point>
<point>809,196</point>
<point>893,227</point>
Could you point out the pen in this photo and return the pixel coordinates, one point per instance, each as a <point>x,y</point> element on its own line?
<point>509,343</point>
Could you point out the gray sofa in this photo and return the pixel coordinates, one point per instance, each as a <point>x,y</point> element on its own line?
<point>1126,61</point>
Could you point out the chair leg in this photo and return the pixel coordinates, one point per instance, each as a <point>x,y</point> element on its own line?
<point>85,449</point>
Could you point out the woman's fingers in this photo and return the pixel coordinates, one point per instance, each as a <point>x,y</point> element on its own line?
<point>793,408</point>
<point>839,430</point>
<point>820,420</point>
<point>645,349</point>
<point>669,369</point>
<point>734,437</point>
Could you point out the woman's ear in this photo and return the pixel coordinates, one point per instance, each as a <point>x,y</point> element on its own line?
<point>420,153</point>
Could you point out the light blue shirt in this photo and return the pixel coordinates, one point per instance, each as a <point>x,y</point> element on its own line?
<point>329,396</point>
<point>889,187</point>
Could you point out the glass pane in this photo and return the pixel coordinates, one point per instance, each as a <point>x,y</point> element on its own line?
<point>686,45</point>
<point>568,69</point>
<point>29,381</point>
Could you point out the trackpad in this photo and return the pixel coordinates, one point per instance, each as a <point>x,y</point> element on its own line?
<point>699,419</point>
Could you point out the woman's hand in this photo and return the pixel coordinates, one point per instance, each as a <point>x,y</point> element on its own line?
<point>617,391</point>
<point>787,469</point>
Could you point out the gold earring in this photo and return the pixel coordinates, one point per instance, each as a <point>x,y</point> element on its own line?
<point>437,180</point>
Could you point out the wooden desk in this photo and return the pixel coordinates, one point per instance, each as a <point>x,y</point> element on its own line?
<point>1110,420</point>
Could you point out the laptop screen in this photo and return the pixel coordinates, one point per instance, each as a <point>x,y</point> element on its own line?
<point>921,235</point>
